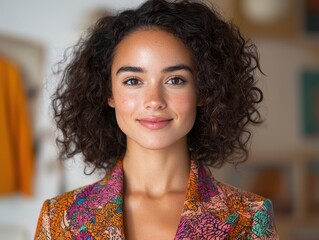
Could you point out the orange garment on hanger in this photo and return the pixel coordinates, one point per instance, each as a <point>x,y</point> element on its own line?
<point>16,151</point>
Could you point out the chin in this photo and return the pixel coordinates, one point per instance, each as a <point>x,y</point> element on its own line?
<point>155,147</point>
<point>161,144</point>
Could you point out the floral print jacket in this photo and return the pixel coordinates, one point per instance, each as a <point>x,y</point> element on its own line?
<point>212,210</point>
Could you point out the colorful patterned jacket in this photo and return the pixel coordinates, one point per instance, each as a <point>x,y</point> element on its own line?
<point>212,210</point>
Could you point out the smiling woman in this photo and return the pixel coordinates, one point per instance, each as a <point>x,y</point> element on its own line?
<point>151,96</point>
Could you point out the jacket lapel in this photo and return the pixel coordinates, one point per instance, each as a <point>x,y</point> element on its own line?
<point>202,208</point>
<point>97,211</point>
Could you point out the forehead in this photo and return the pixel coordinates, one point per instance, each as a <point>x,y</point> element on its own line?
<point>155,43</point>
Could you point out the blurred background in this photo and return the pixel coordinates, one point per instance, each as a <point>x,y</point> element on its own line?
<point>284,160</point>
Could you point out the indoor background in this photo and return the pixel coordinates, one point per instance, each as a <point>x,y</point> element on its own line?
<point>284,160</point>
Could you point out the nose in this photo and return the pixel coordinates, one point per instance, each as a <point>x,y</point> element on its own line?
<point>155,98</point>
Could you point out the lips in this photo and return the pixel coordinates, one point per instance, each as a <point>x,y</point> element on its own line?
<point>154,123</point>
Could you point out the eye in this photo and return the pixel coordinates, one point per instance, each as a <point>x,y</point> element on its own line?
<point>132,82</point>
<point>176,81</point>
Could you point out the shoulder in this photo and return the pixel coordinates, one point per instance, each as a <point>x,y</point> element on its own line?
<point>215,208</point>
<point>247,212</point>
<point>84,211</point>
<point>53,222</point>
<point>58,205</point>
<point>65,200</point>
<point>109,186</point>
<point>240,201</point>
<point>227,191</point>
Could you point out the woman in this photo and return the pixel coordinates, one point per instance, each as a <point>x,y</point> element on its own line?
<point>151,96</point>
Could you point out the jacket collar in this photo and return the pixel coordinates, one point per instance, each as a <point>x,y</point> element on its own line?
<point>99,207</point>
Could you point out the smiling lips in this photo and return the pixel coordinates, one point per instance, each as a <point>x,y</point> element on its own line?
<point>154,123</point>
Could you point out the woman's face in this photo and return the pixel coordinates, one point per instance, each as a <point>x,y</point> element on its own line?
<point>153,89</point>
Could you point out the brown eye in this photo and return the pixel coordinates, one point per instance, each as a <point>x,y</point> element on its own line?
<point>132,82</point>
<point>176,81</point>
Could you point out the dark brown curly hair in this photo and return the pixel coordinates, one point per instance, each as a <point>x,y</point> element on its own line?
<point>225,81</point>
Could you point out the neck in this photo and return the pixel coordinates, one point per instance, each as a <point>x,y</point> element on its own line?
<point>156,172</point>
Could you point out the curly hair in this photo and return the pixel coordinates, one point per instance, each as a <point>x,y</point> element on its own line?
<point>225,82</point>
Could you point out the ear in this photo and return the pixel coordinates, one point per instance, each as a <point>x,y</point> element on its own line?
<point>110,102</point>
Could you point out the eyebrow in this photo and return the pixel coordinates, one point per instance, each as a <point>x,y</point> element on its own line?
<point>129,69</point>
<point>165,70</point>
<point>177,68</point>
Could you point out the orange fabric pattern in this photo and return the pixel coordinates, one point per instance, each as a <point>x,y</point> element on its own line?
<point>212,210</point>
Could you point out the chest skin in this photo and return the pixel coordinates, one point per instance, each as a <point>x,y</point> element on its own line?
<point>147,217</point>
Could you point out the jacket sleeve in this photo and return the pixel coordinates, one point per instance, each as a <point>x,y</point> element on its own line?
<point>263,226</point>
<point>43,231</point>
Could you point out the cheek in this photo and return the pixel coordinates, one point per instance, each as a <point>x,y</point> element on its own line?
<point>186,104</point>
<point>125,103</point>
